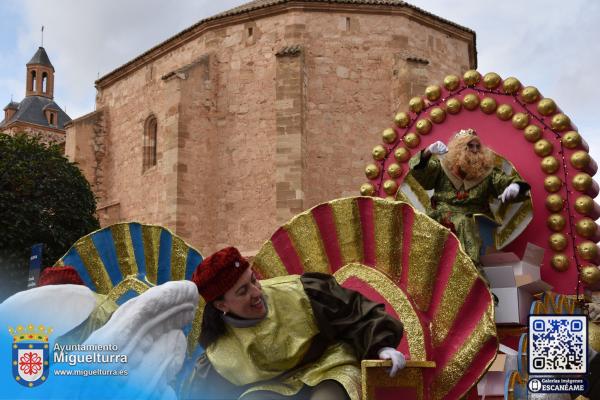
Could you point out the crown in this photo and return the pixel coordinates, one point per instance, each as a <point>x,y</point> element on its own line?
<point>30,332</point>
<point>465,132</point>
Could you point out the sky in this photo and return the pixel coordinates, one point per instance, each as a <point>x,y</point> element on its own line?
<point>549,44</point>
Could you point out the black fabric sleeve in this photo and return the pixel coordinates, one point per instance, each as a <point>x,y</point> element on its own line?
<point>343,314</point>
<point>203,382</point>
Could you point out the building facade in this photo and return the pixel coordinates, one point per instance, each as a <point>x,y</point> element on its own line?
<point>231,127</point>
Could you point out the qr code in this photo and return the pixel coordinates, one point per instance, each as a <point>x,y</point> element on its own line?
<point>557,344</point>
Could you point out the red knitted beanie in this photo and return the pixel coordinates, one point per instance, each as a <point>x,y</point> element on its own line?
<point>60,276</point>
<point>218,273</point>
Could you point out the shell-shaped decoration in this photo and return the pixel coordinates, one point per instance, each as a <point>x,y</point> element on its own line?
<point>586,227</point>
<point>587,250</point>
<point>388,250</point>
<point>582,182</point>
<point>560,122</point>
<point>557,241</point>
<point>488,105</point>
<point>390,187</point>
<point>423,126</point>
<point>372,171</point>
<point>549,165</point>
<point>471,101</point>
<point>453,106</point>
<point>590,274</point>
<point>416,104</point>
<point>378,152</point>
<point>520,120</point>
<point>437,115</point>
<point>552,183</point>
<point>511,85</point>
<point>580,159</point>
<point>554,203</point>
<point>394,170</point>
<point>389,135</point>
<point>532,133</point>
<point>451,82</point>
<point>471,77</point>
<point>402,119</point>
<point>367,189</point>
<point>543,148</point>
<point>571,140</point>
<point>560,262</point>
<point>433,92</point>
<point>584,204</point>
<point>491,80</point>
<point>546,107</point>
<point>402,154</point>
<point>412,140</point>
<point>530,94</point>
<point>556,222</point>
<point>504,112</point>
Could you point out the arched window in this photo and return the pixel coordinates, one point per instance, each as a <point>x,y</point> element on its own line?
<point>44,82</point>
<point>33,82</point>
<point>150,138</point>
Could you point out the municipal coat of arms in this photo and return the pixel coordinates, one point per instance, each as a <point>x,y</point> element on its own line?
<point>30,354</point>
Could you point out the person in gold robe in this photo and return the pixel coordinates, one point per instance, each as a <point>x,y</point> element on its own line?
<point>290,337</point>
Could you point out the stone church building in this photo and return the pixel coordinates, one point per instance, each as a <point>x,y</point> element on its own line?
<point>232,126</point>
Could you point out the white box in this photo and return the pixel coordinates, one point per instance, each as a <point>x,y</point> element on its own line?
<point>492,383</point>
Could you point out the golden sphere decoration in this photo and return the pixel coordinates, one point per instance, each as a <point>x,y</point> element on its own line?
<point>488,105</point>
<point>556,222</point>
<point>491,80</point>
<point>554,203</point>
<point>437,115</point>
<point>552,183</point>
<point>543,148</point>
<point>532,133</point>
<point>580,159</point>
<point>560,262</point>
<point>453,106</point>
<point>378,152</point>
<point>471,77</point>
<point>549,165</point>
<point>590,274</point>
<point>557,241</point>
<point>390,187</point>
<point>394,170</point>
<point>584,204</point>
<point>520,120</point>
<point>423,126</point>
<point>372,171</point>
<point>451,82</point>
<point>433,92</point>
<point>367,189</point>
<point>504,112</point>
<point>471,101</point>
<point>586,227</point>
<point>389,135</point>
<point>582,182</point>
<point>587,250</point>
<point>560,122</point>
<point>402,120</point>
<point>530,94</point>
<point>571,140</point>
<point>546,107</point>
<point>416,104</point>
<point>511,85</point>
<point>412,140</point>
<point>402,154</point>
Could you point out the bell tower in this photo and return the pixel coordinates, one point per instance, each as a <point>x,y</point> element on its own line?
<point>40,75</point>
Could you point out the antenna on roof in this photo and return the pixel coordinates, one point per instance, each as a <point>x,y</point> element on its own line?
<point>42,35</point>
<point>11,98</point>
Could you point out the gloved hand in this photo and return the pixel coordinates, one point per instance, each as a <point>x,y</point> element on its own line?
<point>437,148</point>
<point>398,360</point>
<point>510,192</point>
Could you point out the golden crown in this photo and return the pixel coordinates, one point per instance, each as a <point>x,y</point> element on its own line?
<point>30,332</point>
<point>465,132</point>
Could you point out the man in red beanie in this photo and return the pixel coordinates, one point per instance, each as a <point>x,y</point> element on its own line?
<point>290,337</point>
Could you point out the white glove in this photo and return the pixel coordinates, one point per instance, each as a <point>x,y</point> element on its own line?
<point>510,192</point>
<point>398,360</point>
<point>437,148</point>
<point>594,309</point>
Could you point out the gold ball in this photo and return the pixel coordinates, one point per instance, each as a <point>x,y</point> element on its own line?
<point>433,92</point>
<point>453,106</point>
<point>587,250</point>
<point>491,80</point>
<point>557,241</point>
<point>412,140</point>
<point>549,165</point>
<point>394,170</point>
<point>554,203</point>
<point>437,115</point>
<point>390,187</point>
<point>471,77</point>
<point>580,159</point>
<point>556,222</point>
<point>372,171</point>
<point>488,105</point>
<point>571,139</point>
<point>532,133</point>
<point>546,107</point>
<point>586,227</point>
<point>560,262</point>
<point>511,85</point>
<point>416,105</point>
<point>560,122</point>
<point>504,112</point>
<point>402,154</point>
<point>378,152</point>
<point>367,189</point>
<point>520,120</point>
<point>451,82</point>
<point>552,183</point>
<point>530,94</point>
<point>471,101</point>
<point>590,274</point>
<point>584,204</point>
<point>423,126</point>
<point>402,119</point>
<point>389,135</point>
<point>582,182</point>
<point>543,148</point>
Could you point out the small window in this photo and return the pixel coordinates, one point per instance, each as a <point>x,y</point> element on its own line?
<point>33,85</point>
<point>150,138</point>
<point>250,31</point>
<point>51,118</point>
<point>44,82</point>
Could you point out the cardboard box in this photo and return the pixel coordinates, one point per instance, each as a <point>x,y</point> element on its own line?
<point>514,282</point>
<point>492,383</point>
